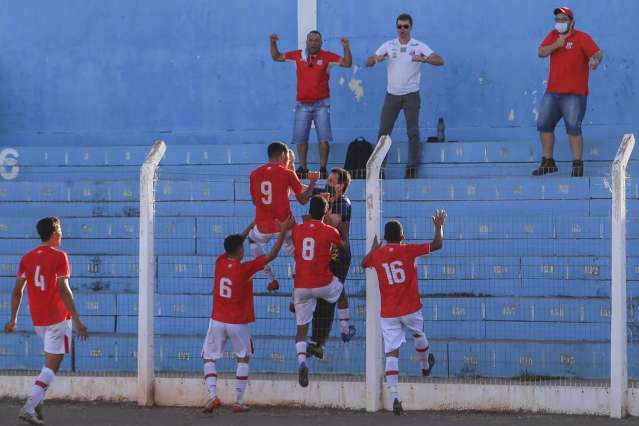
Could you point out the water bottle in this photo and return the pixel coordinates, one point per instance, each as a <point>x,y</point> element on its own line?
<point>441,130</point>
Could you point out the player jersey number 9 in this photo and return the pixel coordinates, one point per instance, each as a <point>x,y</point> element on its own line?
<point>266,187</point>
<point>308,248</point>
<point>38,280</point>
<point>394,272</point>
<point>225,288</point>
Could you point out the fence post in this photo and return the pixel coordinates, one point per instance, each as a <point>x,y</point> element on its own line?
<point>146,266</point>
<point>618,321</point>
<point>374,354</point>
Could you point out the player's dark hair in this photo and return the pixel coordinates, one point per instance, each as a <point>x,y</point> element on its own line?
<point>393,231</point>
<point>317,207</point>
<point>314,32</point>
<point>232,243</point>
<point>343,177</point>
<point>47,226</point>
<point>276,149</point>
<point>405,17</point>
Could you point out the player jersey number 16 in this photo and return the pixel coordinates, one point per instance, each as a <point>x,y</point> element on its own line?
<point>266,187</point>
<point>394,272</point>
<point>38,280</point>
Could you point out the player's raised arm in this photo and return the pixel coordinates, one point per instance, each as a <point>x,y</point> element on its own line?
<point>374,247</point>
<point>347,59</point>
<point>438,220</point>
<point>67,297</point>
<point>16,300</point>
<point>275,52</point>
<point>284,228</point>
<point>247,230</point>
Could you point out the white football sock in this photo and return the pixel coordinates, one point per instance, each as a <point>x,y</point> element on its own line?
<point>392,376</point>
<point>241,380</point>
<point>210,377</point>
<point>300,348</point>
<point>344,319</point>
<point>39,388</point>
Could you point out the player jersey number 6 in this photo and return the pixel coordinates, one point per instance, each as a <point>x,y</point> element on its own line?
<point>395,272</point>
<point>225,288</point>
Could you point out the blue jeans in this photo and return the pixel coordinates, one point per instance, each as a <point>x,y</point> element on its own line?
<point>317,112</point>
<point>554,106</point>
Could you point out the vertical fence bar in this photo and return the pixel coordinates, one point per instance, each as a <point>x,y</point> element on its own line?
<point>374,359</point>
<point>146,261</point>
<point>618,321</point>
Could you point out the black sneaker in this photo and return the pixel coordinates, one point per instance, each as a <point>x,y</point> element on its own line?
<point>547,166</point>
<point>302,375</point>
<point>302,173</point>
<point>411,173</point>
<point>323,173</point>
<point>431,364</point>
<point>577,168</point>
<point>313,349</point>
<point>398,410</point>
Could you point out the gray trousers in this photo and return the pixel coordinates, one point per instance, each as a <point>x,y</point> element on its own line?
<point>410,103</point>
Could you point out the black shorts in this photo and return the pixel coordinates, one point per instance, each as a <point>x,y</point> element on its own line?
<point>340,263</point>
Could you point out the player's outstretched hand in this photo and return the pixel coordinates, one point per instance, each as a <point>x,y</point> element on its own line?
<point>274,38</point>
<point>313,176</point>
<point>81,330</point>
<point>10,327</point>
<point>439,217</point>
<point>344,41</point>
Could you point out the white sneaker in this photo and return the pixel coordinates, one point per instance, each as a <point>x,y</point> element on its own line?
<point>30,417</point>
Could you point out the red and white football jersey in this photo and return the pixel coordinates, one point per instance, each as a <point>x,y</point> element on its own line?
<point>270,186</point>
<point>313,240</point>
<point>397,276</point>
<point>42,267</point>
<point>233,289</point>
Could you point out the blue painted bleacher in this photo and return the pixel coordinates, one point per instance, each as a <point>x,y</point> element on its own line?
<point>520,289</point>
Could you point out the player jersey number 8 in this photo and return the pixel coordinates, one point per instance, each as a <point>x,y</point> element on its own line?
<point>395,272</point>
<point>266,187</point>
<point>308,248</point>
<point>225,288</point>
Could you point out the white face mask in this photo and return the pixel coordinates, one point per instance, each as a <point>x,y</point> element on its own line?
<point>562,27</point>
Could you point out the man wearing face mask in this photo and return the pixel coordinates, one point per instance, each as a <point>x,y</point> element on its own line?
<point>405,56</point>
<point>313,104</point>
<point>572,54</point>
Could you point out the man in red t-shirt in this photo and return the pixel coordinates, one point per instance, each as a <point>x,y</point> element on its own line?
<point>270,186</point>
<point>401,308</point>
<point>313,94</point>
<point>233,311</point>
<point>572,54</point>
<point>45,271</point>
<point>313,240</point>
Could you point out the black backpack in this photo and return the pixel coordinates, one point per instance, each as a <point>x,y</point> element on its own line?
<point>356,157</point>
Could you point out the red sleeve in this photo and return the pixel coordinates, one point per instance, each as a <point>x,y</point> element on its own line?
<point>292,55</point>
<point>589,46</point>
<point>550,38</point>
<point>251,186</point>
<point>417,250</point>
<point>252,267</point>
<point>294,183</point>
<point>369,261</point>
<point>332,57</point>
<point>64,268</point>
<point>22,269</point>
<point>336,238</point>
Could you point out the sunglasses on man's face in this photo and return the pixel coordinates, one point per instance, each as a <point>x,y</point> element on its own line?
<point>405,27</point>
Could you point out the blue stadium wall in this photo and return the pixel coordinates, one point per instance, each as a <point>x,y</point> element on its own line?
<point>199,71</point>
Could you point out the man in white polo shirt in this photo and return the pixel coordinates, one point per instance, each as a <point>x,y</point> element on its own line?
<point>405,55</point>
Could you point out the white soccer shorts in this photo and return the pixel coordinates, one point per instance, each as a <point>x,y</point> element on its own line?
<point>219,333</point>
<point>262,239</point>
<point>394,329</point>
<point>56,337</point>
<point>305,299</point>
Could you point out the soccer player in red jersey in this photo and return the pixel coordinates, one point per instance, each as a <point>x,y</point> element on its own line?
<point>270,186</point>
<point>233,311</point>
<point>45,271</point>
<point>401,308</point>
<point>313,241</point>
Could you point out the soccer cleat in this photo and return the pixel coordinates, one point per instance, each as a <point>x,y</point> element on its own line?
<point>323,172</point>
<point>273,286</point>
<point>313,349</point>
<point>398,410</point>
<point>302,375</point>
<point>577,168</point>
<point>346,337</point>
<point>39,410</point>
<point>302,173</point>
<point>239,408</point>
<point>547,166</point>
<point>431,364</point>
<point>211,405</point>
<point>30,417</point>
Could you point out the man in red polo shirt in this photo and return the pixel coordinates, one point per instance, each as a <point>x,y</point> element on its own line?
<point>313,94</point>
<point>572,54</point>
